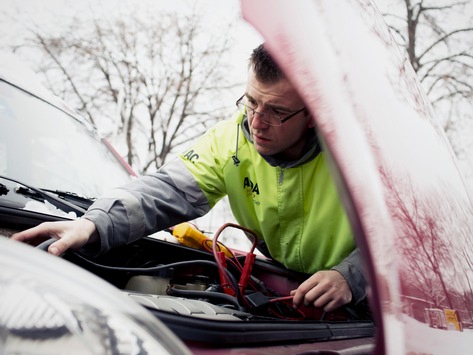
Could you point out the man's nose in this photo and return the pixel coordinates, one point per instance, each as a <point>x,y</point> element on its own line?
<point>257,121</point>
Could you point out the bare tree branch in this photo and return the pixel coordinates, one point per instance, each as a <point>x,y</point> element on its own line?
<point>146,83</point>
<point>440,49</point>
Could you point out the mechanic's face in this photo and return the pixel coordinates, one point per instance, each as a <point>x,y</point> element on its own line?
<point>288,139</point>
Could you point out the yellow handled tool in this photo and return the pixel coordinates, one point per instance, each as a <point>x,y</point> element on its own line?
<point>190,236</point>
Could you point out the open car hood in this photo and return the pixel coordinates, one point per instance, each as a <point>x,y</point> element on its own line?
<point>406,200</point>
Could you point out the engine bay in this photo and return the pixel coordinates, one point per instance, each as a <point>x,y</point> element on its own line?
<point>211,282</point>
<point>177,278</point>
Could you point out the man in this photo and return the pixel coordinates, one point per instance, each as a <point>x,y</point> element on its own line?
<point>269,163</point>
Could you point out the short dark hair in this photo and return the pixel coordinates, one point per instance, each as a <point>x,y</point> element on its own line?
<point>264,67</point>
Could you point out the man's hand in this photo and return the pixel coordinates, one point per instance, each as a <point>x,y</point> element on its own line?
<point>326,289</point>
<point>70,235</point>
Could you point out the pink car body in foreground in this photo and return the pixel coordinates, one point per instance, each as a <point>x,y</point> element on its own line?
<point>408,205</point>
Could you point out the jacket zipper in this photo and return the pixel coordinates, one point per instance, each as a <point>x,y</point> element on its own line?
<point>281,176</point>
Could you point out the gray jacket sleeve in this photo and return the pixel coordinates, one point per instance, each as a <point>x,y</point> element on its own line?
<point>352,270</point>
<point>149,204</point>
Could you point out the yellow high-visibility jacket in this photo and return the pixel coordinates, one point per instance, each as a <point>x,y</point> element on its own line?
<point>294,207</point>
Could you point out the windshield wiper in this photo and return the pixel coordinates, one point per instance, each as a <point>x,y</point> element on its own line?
<point>41,195</point>
<point>76,199</point>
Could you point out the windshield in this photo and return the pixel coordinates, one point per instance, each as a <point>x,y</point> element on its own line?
<point>42,146</point>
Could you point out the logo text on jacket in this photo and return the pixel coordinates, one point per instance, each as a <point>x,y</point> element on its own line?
<point>251,189</point>
<point>191,156</point>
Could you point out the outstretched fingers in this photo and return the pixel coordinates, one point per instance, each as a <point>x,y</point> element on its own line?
<point>69,234</point>
<point>34,235</point>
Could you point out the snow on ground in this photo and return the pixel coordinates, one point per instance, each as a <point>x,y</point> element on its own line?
<point>421,339</point>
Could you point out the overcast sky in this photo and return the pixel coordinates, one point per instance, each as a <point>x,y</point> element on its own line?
<point>48,13</point>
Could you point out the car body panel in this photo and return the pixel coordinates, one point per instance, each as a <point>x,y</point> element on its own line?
<point>408,204</point>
